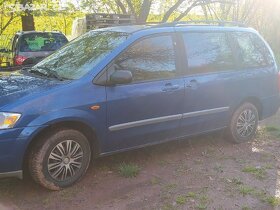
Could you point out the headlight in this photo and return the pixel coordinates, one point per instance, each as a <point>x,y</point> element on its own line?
<point>8,120</point>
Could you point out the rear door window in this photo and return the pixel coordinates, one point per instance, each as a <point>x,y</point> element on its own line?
<point>208,52</point>
<point>252,51</point>
<point>35,42</point>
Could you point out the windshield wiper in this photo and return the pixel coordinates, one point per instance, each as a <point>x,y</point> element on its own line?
<point>33,71</point>
<point>50,73</point>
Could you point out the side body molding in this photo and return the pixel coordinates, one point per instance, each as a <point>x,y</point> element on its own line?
<point>166,118</point>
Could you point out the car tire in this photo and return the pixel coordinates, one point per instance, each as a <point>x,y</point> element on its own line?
<point>60,159</point>
<point>244,123</point>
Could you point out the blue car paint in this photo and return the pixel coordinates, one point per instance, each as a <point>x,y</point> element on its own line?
<point>44,102</point>
<point>139,99</point>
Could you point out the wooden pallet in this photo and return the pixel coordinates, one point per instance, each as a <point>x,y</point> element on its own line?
<point>103,20</point>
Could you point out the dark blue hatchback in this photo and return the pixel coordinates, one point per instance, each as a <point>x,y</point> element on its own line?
<point>122,88</point>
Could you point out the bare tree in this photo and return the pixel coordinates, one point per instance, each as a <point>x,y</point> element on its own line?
<point>3,12</point>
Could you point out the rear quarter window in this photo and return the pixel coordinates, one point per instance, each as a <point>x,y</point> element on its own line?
<point>252,51</point>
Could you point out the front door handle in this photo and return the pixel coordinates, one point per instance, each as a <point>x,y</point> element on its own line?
<point>170,87</point>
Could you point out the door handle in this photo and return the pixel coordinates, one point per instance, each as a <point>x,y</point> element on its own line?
<point>170,87</point>
<point>192,84</point>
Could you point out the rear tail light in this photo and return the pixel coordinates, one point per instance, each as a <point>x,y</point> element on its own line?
<point>19,60</point>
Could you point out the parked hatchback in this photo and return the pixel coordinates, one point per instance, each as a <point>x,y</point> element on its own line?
<point>29,47</point>
<point>122,88</point>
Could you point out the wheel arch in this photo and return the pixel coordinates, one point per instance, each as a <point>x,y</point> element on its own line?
<point>255,101</point>
<point>84,128</point>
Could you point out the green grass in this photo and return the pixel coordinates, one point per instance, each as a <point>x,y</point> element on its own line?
<point>271,129</point>
<point>260,173</point>
<point>129,170</point>
<point>245,190</point>
<point>168,206</point>
<point>254,192</point>
<point>155,181</point>
<point>170,187</point>
<point>181,199</point>
<point>191,195</point>
<point>237,181</point>
<point>273,201</point>
<point>201,199</point>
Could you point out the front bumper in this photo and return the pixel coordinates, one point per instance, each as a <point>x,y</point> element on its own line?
<point>13,147</point>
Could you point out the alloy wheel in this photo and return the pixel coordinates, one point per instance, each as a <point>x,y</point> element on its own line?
<point>65,160</point>
<point>246,123</point>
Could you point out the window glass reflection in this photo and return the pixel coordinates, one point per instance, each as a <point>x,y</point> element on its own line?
<point>149,59</point>
<point>208,52</point>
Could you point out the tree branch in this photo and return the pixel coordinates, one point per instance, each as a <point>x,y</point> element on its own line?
<point>12,17</point>
<point>171,10</point>
<point>132,9</point>
<point>198,3</point>
<point>121,6</point>
<point>193,5</point>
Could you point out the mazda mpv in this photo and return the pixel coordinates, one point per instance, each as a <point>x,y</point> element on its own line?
<point>121,88</point>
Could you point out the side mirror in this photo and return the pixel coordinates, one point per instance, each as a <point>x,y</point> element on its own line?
<point>121,77</point>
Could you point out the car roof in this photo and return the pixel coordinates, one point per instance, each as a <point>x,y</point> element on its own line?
<point>169,27</point>
<point>37,32</point>
<point>125,28</point>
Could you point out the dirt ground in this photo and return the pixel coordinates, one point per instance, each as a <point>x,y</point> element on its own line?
<point>205,172</point>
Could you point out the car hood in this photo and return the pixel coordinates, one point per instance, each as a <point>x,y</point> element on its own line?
<point>16,85</point>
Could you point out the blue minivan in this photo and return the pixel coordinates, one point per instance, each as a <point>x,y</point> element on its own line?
<point>121,88</point>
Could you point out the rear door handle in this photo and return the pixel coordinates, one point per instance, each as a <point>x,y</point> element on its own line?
<point>192,84</point>
<point>170,87</point>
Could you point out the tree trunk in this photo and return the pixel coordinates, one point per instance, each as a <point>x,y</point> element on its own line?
<point>171,10</point>
<point>121,6</point>
<point>27,19</point>
<point>28,23</point>
<point>131,8</point>
<point>205,11</point>
<point>145,11</point>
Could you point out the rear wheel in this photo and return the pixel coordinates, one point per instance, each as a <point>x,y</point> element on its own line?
<point>244,123</point>
<point>60,159</point>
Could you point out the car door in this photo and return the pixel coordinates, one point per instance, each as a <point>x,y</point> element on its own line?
<point>259,77</point>
<point>209,77</point>
<point>149,109</point>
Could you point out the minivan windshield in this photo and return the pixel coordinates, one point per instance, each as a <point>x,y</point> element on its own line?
<point>81,55</point>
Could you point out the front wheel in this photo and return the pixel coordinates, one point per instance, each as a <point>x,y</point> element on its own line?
<point>244,123</point>
<point>60,159</point>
